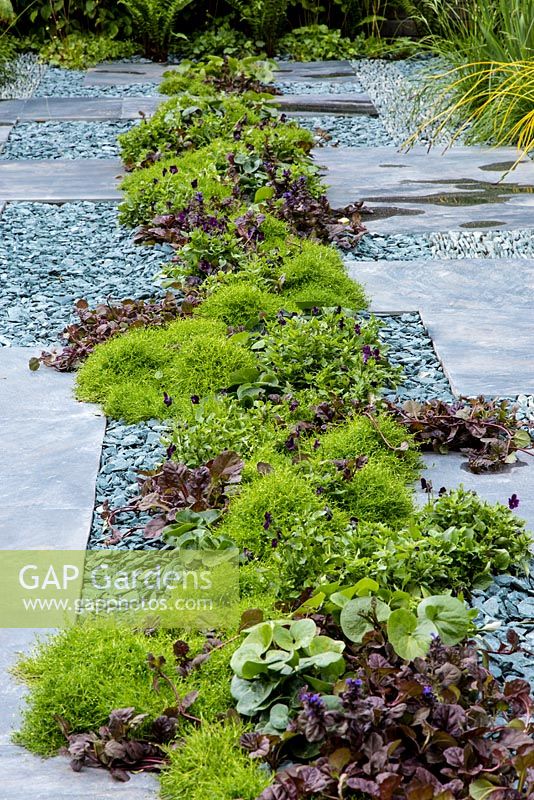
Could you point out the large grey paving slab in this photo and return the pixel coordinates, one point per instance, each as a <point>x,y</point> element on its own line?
<point>496,487</point>
<point>124,74</point>
<point>310,71</point>
<point>51,447</point>
<point>417,191</point>
<point>478,313</point>
<point>61,180</point>
<point>342,103</point>
<point>457,284</point>
<point>486,352</point>
<point>44,109</point>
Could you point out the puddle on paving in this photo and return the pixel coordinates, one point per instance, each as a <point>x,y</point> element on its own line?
<point>500,166</point>
<point>470,193</point>
<point>394,166</point>
<point>483,223</point>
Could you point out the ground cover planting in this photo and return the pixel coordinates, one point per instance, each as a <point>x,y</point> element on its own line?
<point>355,667</point>
<point>267,415</point>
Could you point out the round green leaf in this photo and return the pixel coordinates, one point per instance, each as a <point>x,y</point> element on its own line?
<point>354,618</point>
<point>303,632</point>
<point>409,638</point>
<point>449,616</point>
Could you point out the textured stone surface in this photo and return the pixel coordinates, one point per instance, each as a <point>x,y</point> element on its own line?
<point>60,180</point>
<point>124,74</point>
<point>477,311</point>
<point>41,109</point>
<point>308,71</point>
<point>429,191</point>
<point>496,487</point>
<point>349,103</point>
<point>51,448</point>
<point>5,130</point>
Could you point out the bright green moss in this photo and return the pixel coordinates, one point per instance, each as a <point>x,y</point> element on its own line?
<point>242,303</point>
<point>375,494</point>
<point>129,374</point>
<point>212,766</point>
<point>316,276</point>
<point>360,436</point>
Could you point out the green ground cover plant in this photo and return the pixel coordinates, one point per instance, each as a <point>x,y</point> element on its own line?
<point>83,50</point>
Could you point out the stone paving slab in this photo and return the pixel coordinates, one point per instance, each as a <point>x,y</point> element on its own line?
<point>310,71</point>
<point>439,284</point>
<point>124,74</point>
<point>43,109</point>
<point>423,191</point>
<point>495,487</point>
<point>51,447</point>
<point>61,180</point>
<point>478,313</point>
<point>349,103</point>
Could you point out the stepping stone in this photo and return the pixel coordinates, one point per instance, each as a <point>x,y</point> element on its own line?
<point>125,74</point>
<point>310,71</point>
<point>60,180</point>
<point>349,103</point>
<point>423,191</point>
<point>495,487</point>
<point>43,109</point>
<point>51,447</point>
<point>477,312</point>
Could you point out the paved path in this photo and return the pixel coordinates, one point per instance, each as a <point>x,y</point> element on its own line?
<point>125,74</point>
<point>348,103</point>
<point>61,180</point>
<point>45,109</point>
<point>422,191</point>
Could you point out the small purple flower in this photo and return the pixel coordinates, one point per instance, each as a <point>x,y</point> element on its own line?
<point>316,444</point>
<point>427,691</point>
<point>312,700</point>
<point>171,450</point>
<point>319,490</point>
<point>194,183</point>
<point>290,443</point>
<point>366,351</point>
<point>293,405</point>
<point>167,399</point>
<point>267,521</point>
<point>315,311</point>
<point>173,170</point>
<point>513,502</point>
<point>328,513</point>
<point>357,329</point>
<point>195,399</point>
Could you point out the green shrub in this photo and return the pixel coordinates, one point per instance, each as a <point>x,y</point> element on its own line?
<point>211,764</point>
<point>186,122</point>
<point>154,24</point>
<point>221,38</point>
<point>329,352</point>
<point>456,543</point>
<point>265,18</point>
<point>316,276</point>
<point>317,43</point>
<point>247,76</point>
<point>82,50</point>
<point>217,424</point>
<point>129,374</point>
<point>242,303</point>
<point>157,190</point>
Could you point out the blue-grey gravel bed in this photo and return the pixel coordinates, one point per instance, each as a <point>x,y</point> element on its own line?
<point>58,82</point>
<point>320,87</point>
<point>349,130</point>
<point>51,140</point>
<point>52,255</point>
<point>25,74</point>
<point>445,245</point>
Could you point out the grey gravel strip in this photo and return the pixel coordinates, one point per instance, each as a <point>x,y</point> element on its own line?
<point>51,256</point>
<point>53,140</point>
<point>27,73</point>
<point>518,243</point>
<point>57,82</point>
<point>319,87</point>
<point>346,130</point>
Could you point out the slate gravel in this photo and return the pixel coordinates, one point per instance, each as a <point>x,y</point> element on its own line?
<point>26,73</point>
<point>348,130</point>
<point>52,255</point>
<point>320,87</point>
<point>445,245</point>
<point>58,82</point>
<point>51,140</point>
